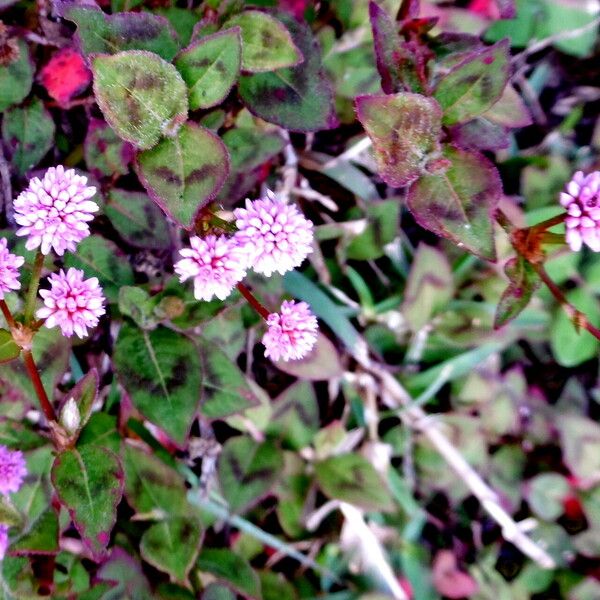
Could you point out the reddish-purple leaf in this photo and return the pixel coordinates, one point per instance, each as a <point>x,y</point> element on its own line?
<point>507,8</point>
<point>405,129</point>
<point>510,110</point>
<point>475,84</point>
<point>387,43</point>
<point>65,75</point>
<point>89,483</point>
<point>523,283</point>
<point>458,204</point>
<point>480,134</point>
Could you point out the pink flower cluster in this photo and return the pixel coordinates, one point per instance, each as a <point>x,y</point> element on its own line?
<point>72,303</point>
<point>13,470</point>
<point>272,236</point>
<point>582,202</point>
<point>9,269</point>
<point>291,333</point>
<point>54,211</point>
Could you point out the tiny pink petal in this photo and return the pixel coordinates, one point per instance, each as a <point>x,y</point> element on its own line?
<point>72,303</point>
<point>216,264</point>
<point>13,470</point>
<point>9,269</point>
<point>582,202</point>
<point>277,237</point>
<point>291,333</point>
<point>54,211</point>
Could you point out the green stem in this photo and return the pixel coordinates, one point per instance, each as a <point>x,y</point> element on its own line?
<point>34,284</point>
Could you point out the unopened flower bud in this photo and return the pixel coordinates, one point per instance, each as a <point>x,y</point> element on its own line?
<point>70,418</point>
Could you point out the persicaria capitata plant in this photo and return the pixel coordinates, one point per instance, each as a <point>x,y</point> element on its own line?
<point>299,299</point>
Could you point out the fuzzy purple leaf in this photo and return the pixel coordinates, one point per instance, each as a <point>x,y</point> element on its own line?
<point>405,129</point>
<point>458,203</point>
<point>89,483</point>
<point>480,134</point>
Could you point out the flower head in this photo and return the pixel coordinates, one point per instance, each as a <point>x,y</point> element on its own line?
<point>54,211</point>
<point>3,541</point>
<point>276,235</point>
<point>291,333</point>
<point>12,470</point>
<point>582,201</point>
<point>215,263</point>
<point>72,302</point>
<point>9,269</point>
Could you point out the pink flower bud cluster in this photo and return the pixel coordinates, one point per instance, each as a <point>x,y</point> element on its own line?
<point>54,213</point>
<point>13,470</point>
<point>272,237</point>
<point>582,202</point>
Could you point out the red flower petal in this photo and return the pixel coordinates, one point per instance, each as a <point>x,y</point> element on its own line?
<point>65,75</point>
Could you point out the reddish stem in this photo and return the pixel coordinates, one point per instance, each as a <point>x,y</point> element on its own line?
<point>557,220</point>
<point>7,314</point>
<point>578,318</point>
<point>34,375</point>
<point>252,301</point>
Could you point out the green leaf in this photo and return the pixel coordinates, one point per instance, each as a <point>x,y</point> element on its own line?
<point>172,546</point>
<point>101,430</point>
<point>523,283</point>
<point>101,258</point>
<point>141,96</point>
<point>274,586</point>
<point>214,591</point>
<point>28,132</point>
<point>139,221</point>
<point>545,494</point>
<point>160,370</point>
<point>185,172</point>
<point>89,483</point>
<point>51,354</point>
<point>580,442</point>
<point>109,34</point>
<point>9,515</point>
<point>429,287</point>
<point>247,471</point>
<point>8,349</point>
<point>16,78</point>
<point>230,569</point>
<point>352,478</point>
<point>126,577</point>
<point>151,485</point>
<point>405,129</point>
<point>266,43</point>
<point>570,346</point>
<point>225,390</point>
<point>136,303</point>
<point>41,539</point>
<point>382,228</point>
<point>297,98</point>
<point>249,149</point>
<point>322,362</point>
<point>18,435</point>
<point>459,203</point>
<point>475,84</point>
<point>105,152</point>
<point>210,67</point>
<point>295,418</point>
